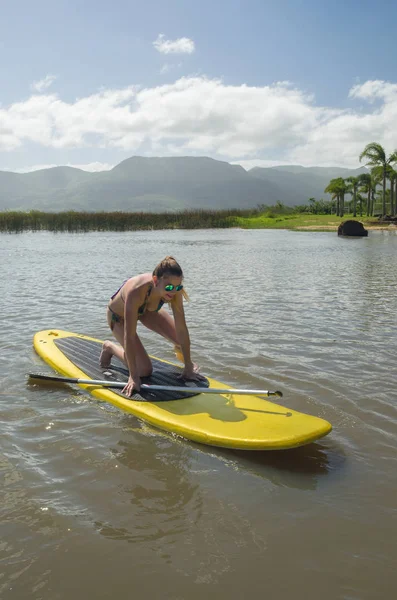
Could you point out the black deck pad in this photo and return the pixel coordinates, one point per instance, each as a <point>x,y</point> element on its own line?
<point>85,355</point>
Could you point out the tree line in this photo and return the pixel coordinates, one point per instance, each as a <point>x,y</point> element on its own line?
<point>363,189</point>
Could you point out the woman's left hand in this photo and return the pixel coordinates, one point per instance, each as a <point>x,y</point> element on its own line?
<point>191,372</point>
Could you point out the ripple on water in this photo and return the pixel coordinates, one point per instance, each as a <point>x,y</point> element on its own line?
<point>306,313</point>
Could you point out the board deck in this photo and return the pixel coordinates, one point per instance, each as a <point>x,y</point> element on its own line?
<point>225,420</point>
<point>85,353</point>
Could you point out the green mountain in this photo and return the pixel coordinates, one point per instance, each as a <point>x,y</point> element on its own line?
<point>162,184</point>
<point>301,183</point>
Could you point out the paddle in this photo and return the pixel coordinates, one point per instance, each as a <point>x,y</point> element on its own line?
<point>145,387</point>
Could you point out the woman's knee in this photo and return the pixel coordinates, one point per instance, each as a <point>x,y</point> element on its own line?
<point>161,323</point>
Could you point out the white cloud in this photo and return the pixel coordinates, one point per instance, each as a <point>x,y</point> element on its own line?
<point>93,167</point>
<point>180,46</point>
<point>202,116</point>
<point>371,90</point>
<point>43,84</point>
<point>259,162</point>
<point>167,67</point>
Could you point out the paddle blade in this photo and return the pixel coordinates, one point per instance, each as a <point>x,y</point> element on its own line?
<point>45,377</point>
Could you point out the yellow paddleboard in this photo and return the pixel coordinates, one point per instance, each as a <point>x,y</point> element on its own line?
<point>226,420</point>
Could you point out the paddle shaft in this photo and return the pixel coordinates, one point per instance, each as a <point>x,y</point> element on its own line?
<point>145,387</point>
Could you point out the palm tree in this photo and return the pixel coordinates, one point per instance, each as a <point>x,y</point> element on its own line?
<point>338,188</point>
<point>365,183</point>
<point>376,157</point>
<point>377,174</point>
<point>353,183</point>
<point>360,203</point>
<point>376,178</point>
<point>392,176</point>
<point>332,189</point>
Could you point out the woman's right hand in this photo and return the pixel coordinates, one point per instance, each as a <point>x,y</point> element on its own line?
<point>133,385</point>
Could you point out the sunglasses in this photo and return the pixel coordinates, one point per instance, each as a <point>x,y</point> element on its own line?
<point>171,288</point>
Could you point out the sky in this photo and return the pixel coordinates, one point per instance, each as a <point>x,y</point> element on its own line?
<point>257,83</point>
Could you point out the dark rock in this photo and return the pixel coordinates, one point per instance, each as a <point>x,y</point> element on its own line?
<point>352,228</point>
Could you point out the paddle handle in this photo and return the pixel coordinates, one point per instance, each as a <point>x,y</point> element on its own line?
<point>165,388</point>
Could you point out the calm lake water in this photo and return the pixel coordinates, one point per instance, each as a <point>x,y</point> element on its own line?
<point>96,504</point>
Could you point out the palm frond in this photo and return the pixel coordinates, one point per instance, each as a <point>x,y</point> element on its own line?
<point>377,172</point>
<point>392,174</point>
<point>393,157</point>
<point>364,178</point>
<point>374,153</point>
<point>352,180</point>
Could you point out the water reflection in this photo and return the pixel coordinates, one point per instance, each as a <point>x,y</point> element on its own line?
<point>299,468</point>
<point>165,500</point>
<point>311,462</point>
<point>304,312</point>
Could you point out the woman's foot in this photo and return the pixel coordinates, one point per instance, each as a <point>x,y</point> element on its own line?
<point>106,355</point>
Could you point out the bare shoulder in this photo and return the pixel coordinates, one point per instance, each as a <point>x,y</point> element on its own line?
<point>136,287</point>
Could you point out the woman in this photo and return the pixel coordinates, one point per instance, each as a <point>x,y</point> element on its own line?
<point>142,298</point>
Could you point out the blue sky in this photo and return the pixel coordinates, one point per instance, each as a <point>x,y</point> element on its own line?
<point>256,82</point>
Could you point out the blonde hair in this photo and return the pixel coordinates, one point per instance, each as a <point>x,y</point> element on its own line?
<point>169,266</point>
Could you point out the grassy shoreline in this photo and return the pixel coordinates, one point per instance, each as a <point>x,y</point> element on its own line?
<point>308,222</point>
<point>81,222</point>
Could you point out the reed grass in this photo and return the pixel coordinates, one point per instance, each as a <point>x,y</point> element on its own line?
<point>82,222</point>
<point>73,221</point>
